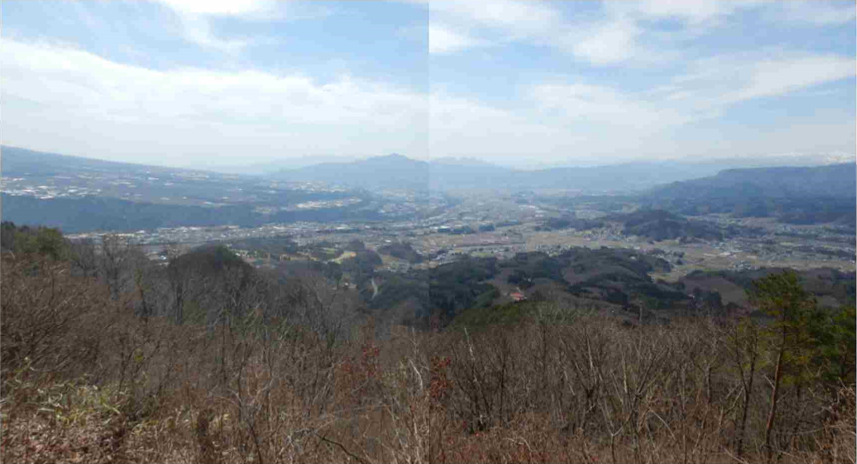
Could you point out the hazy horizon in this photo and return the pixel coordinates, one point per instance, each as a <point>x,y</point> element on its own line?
<point>522,84</point>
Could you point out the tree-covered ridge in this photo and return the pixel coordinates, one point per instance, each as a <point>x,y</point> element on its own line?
<point>832,181</point>
<point>659,225</point>
<point>401,250</point>
<point>807,195</point>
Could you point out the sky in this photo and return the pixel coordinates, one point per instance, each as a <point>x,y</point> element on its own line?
<point>207,83</point>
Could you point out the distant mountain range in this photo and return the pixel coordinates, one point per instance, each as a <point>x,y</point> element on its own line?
<point>15,161</point>
<point>392,171</point>
<point>400,172</point>
<point>836,180</point>
<point>81,194</point>
<point>268,167</point>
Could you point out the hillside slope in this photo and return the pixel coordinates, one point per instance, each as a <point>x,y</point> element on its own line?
<point>837,180</point>
<point>794,195</point>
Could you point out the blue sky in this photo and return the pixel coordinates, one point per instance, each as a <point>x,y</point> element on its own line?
<point>520,83</point>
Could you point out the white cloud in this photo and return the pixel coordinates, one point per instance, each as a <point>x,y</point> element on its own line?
<point>707,91</point>
<point>620,34</point>
<point>222,7</point>
<point>781,76</point>
<point>459,25</point>
<point>71,98</point>
<point>573,117</point>
<point>580,102</point>
<point>47,87</point>
<point>816,13</point>
<point>696,13</point>
<point>198,30</point>
<point>196,17</point>
<point>518,19</point>
<point>611,37</point>
<point>725,80</point>
<point>707,14</point>
<point>608,43</point>
<point>443,40</point>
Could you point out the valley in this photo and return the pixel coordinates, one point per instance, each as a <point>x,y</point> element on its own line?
<point>394,246</point>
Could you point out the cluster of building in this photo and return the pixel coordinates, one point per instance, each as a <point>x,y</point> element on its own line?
<point>20,186</point>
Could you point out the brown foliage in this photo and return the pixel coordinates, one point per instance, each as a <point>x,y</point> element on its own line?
<point>85,380</point>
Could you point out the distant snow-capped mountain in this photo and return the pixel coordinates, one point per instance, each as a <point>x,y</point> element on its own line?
<point>836,157</point>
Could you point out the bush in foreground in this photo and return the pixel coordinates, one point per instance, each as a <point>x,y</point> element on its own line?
<point>86,379</point>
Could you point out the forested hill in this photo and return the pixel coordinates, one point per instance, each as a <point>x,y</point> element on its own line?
<point>837,180</point>
<point>793,195</point>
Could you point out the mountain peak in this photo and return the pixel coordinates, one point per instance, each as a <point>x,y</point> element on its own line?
<point>391,159</point>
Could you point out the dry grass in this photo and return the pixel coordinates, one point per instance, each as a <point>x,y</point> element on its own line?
<point>84,381</point>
